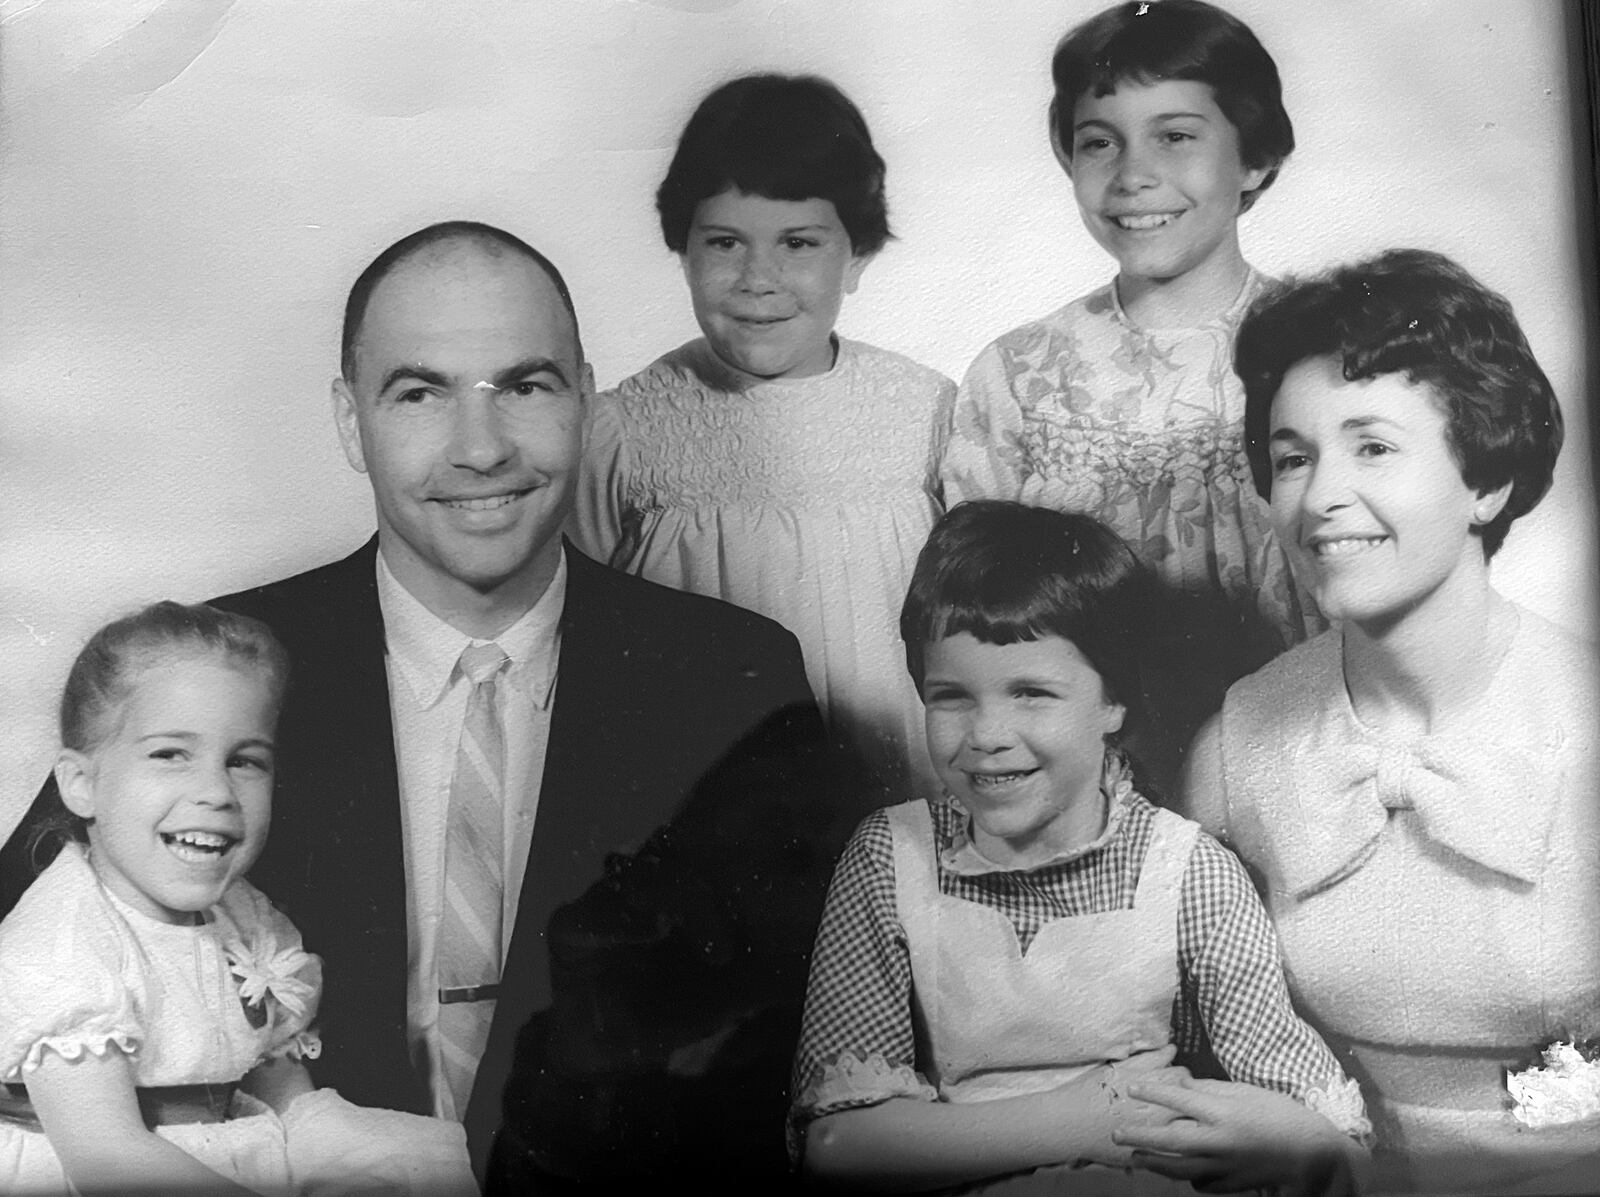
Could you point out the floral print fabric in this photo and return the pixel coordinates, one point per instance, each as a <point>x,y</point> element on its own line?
<point>1143,428</point>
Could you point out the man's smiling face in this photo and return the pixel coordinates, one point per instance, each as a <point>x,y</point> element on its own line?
<point>465,411</point>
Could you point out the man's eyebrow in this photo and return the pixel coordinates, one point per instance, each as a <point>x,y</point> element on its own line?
<point>532,365</point>
<point>420,372</point>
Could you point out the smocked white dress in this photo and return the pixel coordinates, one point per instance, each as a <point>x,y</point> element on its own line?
<point>804,499</point>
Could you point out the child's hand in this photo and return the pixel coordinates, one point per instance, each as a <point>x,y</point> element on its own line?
<point>1119,1110</point>
<point>1225,1137</point>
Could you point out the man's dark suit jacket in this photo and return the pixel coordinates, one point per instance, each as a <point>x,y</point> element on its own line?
<point>658,695</point>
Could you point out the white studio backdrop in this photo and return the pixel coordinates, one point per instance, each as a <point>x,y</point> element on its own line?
<point>188,187</point>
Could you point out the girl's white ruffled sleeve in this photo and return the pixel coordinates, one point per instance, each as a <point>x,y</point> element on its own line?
<point>66,985</point>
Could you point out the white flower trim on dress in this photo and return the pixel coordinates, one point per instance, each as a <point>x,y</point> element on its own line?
<point>305,1045</point>
<point>270,971</point>
<point>852,1081</point>
<point>1565,1090</point>
<point>72,1047</point>
<point>1340,1103</point>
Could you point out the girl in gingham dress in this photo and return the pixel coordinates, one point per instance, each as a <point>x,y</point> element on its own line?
<point>995,971</point>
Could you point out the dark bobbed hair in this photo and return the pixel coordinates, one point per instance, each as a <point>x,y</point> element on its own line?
<point>106,670</point>
<point>1005,572</point>
<point>469,232</point>
<point>782,137</point>
<point>1178,39</point>
<point>1419,314</point>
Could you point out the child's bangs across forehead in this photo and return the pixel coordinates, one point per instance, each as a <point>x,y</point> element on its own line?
<point>780,137</point>
<point>996,618</point>
<point>1006,572</point>
<point>1147,43</point>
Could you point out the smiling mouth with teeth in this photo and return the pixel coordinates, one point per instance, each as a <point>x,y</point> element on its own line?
<point>989,780</point>
<point>198,845</point>
<point>488,503</point>
<point>1346,546</point>
<point>1152,220</point>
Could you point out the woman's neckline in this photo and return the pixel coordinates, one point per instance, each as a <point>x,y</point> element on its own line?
<point>1458,711</point>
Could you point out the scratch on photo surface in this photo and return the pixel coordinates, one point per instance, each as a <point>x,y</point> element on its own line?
<point>33,629</point>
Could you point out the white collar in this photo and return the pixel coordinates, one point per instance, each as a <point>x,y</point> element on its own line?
<point>426,649</point>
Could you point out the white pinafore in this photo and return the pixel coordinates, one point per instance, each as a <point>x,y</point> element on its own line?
<point>992,1022</point>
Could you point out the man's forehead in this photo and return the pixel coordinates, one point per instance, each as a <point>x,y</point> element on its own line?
<point>461,301</point>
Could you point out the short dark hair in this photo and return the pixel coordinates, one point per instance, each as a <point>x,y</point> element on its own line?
<point>783,137</point>
<point>1004,572</point>
<point>1416,313</point>
<point>1178,39</point>
<point>483,236</point>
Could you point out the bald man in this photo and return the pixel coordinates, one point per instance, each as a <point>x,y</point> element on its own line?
<point>468,660</point>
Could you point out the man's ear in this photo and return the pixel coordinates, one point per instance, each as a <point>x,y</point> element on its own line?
<point>75,779</point>
<point>348,424</point>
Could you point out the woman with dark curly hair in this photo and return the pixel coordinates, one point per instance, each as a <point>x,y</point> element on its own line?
<point>1414,790</point>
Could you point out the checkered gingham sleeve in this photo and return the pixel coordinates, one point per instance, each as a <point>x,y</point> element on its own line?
<point>1232,981</point>
<point>857,1046</point>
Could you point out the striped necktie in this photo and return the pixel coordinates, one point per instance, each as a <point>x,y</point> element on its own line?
<point>470,930</point>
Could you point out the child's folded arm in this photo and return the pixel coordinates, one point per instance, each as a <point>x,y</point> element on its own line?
<point>1228,955</point>
<point>906,1143</point>
<point>858,998</point>
<point>1290,1117</point>
<point>89,1112</point>
<point>277,1081</point>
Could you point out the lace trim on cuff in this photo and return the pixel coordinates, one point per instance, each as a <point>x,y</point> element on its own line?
<point>72,1047</point>
<point>853,1081</point>
<point>1340,1103</point>
<point>847,1083</point>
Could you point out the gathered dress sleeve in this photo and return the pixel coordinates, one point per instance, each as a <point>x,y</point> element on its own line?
<point>68,984</point>
<point>857,1043</point>
<point>983,454</point>
<point>597,523</point>
<point>944,409</point>
<point>1233,988</point>
<point>276,975</point>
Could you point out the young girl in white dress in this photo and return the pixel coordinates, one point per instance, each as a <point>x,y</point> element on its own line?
<point>155,1009</point>
<point>995,970</point>
<point>771,462</point>
<point>1169,120</point>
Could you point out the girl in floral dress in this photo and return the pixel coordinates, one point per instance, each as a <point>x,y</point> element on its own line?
<point>155,1009</point>
<point>1168,118</point>
<point>771,462</point>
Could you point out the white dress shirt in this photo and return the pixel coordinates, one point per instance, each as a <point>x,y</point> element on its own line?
<point>428,701</point>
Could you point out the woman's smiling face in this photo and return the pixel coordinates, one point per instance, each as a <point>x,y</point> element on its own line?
<point>767,278</point>
<point>1367,496</point>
